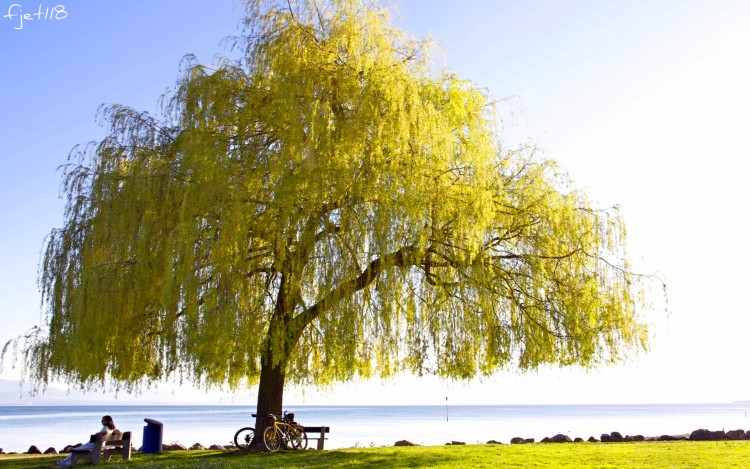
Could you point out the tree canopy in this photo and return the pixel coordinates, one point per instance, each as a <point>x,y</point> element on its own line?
<point>328,206</point>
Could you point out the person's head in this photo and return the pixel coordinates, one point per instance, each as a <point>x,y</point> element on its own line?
<point>108,422</point>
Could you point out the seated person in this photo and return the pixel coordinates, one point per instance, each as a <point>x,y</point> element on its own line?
<point>108,425</point>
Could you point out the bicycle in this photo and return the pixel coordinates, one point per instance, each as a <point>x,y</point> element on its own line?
<point>244,436</point>
<point>284,433</point>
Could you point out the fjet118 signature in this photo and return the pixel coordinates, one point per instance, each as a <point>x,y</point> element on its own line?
<point>17,16</point>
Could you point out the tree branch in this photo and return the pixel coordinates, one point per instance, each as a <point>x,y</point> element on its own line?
<point>399,258</point>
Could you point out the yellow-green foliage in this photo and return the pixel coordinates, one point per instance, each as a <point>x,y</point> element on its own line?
<point>332,203</point>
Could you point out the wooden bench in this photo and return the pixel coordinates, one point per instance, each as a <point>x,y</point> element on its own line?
<point>105,446</point>
<point>322,431</point>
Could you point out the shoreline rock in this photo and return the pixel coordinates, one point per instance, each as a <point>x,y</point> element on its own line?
<point>405,443</point>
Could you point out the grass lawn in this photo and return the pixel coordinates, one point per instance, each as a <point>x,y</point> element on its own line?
<point>677,454</point>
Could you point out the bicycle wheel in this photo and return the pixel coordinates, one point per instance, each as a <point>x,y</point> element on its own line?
<point>244,437</point>
<point>299,438</point>
<point>271,439</point>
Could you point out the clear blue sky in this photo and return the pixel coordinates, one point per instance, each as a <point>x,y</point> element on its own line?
<point>645,103</point>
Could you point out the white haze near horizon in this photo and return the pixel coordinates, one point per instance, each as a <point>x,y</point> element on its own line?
<point>645,104</point>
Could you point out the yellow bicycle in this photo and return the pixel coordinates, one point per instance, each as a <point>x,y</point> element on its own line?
<point>284,433</point>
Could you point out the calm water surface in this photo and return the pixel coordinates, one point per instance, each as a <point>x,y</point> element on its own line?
<point>57,426</point>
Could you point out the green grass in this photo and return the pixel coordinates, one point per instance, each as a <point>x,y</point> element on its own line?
<point>678,454</point>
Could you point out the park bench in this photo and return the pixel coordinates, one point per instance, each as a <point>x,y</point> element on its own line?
<point>105,446</point>
<point>321,431</point>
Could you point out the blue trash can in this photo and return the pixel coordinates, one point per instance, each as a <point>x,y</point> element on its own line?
<point>153,433</point>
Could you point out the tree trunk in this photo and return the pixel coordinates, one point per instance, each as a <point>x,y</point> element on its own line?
<point>273,372</point>
<point>270,398</point>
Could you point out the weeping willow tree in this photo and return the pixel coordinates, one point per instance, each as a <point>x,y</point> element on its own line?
<point>328,206</point>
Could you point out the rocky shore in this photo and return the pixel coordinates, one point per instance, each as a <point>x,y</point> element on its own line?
<point>33,449</point>
<point>614,437</point>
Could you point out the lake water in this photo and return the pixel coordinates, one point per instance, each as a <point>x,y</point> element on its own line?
<point>57,426</point>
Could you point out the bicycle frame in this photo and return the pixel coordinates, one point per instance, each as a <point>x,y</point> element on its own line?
<point>283,432</point>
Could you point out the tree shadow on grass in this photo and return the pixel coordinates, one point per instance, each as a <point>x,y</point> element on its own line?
<point>384,457</point>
